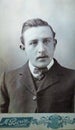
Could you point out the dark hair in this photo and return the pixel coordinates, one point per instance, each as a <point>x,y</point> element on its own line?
<point>34,23</point>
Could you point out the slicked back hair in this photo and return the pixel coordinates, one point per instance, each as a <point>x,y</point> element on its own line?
<point>34,23</point>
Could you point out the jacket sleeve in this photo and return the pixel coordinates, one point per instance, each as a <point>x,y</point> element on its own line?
<point>4,99</point>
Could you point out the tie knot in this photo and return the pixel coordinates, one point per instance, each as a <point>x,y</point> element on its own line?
<point>40,72</point>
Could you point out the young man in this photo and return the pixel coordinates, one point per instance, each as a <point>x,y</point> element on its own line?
<point>41,85</point>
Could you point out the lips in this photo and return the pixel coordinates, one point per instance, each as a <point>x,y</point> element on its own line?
<point>42,57</point>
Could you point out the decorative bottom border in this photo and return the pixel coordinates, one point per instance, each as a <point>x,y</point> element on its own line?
<point>53,121</point>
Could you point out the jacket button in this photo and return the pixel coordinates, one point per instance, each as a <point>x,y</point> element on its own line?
<point>34,98</point>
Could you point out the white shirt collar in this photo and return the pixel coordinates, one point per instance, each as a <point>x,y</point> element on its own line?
<point>50,64</point>
<point>31,67</point>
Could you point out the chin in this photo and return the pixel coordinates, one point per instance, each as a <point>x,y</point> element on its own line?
<point>42,66</point>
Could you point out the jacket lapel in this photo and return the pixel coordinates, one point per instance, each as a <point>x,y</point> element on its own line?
<point>52,77</point>
<point>25,79</point>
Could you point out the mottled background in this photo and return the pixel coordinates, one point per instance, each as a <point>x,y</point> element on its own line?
<point>59,13</point>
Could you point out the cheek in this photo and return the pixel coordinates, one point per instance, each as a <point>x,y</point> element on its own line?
<point>27,51</point>
<point>50,50</point>
<point>30,54</point>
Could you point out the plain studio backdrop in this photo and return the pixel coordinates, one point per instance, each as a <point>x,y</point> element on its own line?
<point>59,13</point>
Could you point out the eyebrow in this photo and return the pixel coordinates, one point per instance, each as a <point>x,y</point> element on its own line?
<point>46,38</point>
<point>33,40</point>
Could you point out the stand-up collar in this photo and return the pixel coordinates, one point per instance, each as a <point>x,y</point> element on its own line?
<point>31,67</point>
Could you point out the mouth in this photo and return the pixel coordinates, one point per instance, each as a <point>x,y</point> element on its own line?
<point>42,57</point>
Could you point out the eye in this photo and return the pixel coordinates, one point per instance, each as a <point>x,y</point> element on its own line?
<point>34,42</point>
<point>46,40</point>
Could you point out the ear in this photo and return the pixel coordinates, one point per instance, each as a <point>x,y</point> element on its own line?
<point>55,42</point>
<point>22,46</point>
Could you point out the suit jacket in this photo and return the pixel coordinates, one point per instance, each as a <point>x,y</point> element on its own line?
<point>56,94</point>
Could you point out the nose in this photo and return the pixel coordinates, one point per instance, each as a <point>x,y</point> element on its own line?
<point>41,47</point>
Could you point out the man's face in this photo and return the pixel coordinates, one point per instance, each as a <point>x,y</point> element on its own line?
<point>39,45</point>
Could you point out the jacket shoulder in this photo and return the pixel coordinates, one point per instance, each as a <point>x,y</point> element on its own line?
<point>64,70</point>
<point>13,74</point>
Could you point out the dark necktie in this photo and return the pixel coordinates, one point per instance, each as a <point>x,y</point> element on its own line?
<point>40,72</point>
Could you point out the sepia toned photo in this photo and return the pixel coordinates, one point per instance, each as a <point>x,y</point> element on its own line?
<point>37,64</point>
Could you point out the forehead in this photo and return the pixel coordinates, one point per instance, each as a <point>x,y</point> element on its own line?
<point>37,32</point>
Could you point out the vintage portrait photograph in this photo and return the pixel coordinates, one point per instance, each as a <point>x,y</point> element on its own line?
<point>37,64</point>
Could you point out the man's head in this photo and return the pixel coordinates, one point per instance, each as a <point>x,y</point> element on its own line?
<point>38,38</point>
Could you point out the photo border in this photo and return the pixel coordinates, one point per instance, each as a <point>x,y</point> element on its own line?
<point>29,121</point>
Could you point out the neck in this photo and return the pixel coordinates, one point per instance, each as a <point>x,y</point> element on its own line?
<point>31,67</point>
